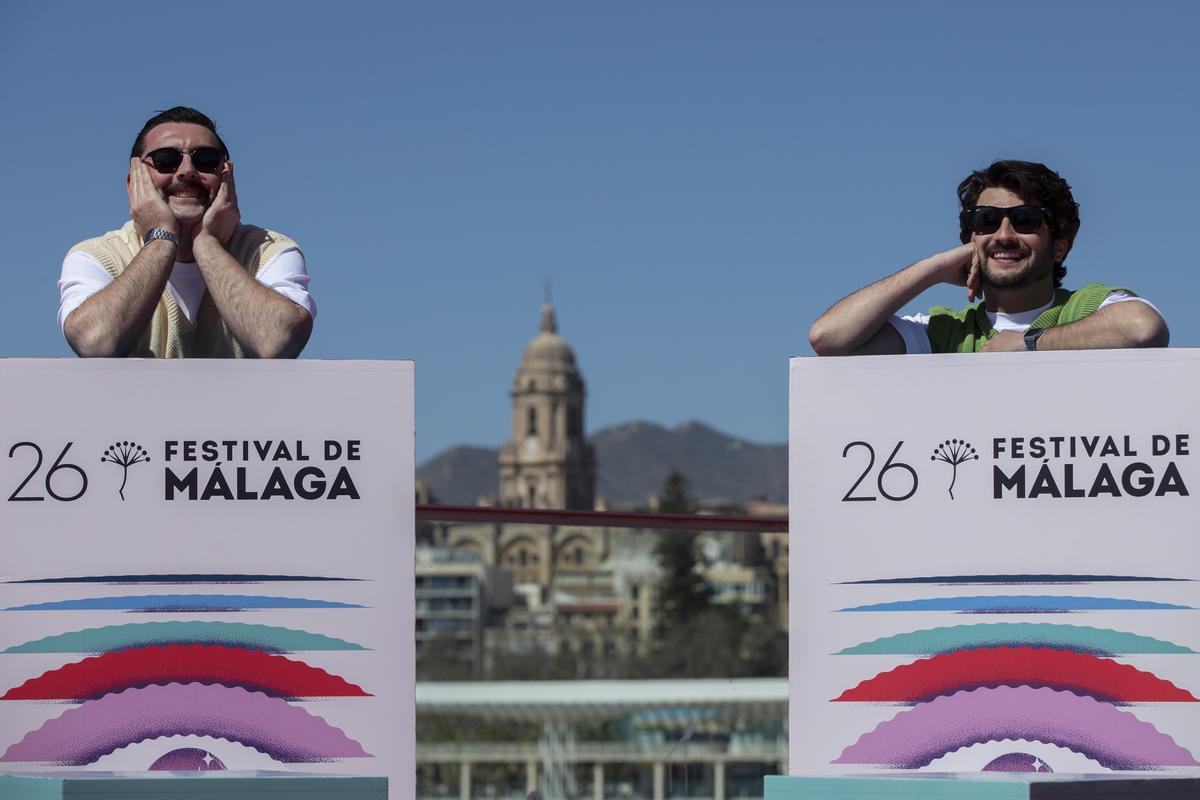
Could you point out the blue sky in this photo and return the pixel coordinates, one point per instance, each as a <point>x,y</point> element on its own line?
<point>698,179</point>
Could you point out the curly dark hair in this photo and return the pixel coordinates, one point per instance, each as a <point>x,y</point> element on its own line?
<point>1033,183</point>
<point>180,114</point>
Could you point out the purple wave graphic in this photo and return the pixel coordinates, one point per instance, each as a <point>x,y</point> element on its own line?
<point>284,732</point>
<point>1117,739</point>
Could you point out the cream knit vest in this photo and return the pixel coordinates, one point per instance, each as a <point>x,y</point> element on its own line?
<point>170,334</point>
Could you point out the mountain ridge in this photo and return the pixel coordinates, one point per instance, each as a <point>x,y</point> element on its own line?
<point>632,460</point>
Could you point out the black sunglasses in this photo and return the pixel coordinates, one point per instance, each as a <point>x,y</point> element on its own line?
<point>986,220</point>
<point>205,159</point>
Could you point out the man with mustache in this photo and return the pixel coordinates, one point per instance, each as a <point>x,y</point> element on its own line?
<point>184,277</point>
<point>1017,224</point>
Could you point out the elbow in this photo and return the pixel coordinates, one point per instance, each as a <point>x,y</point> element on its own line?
<point>290,337</point>
<point>88,341</point>
<point>1149,329</point>
<point>822,340</point>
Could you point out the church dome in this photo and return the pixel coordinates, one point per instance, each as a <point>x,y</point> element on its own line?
<point>548,350</point>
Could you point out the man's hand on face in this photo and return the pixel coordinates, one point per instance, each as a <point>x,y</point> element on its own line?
<point>961,267</point>
<point>1005,342</point>
<point>147,205</point>
<point>223,216</point>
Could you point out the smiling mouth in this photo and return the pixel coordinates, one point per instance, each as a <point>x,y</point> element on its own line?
<point>186,191</point>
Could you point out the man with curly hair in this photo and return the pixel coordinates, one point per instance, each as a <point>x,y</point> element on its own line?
<point>1017,225</point>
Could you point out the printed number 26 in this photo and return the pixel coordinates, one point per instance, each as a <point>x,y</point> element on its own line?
<point>57,467</point>
<point>888,465</point>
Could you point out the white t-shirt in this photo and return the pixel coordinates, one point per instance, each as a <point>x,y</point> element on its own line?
<point>913,328</point>
<point>82,276</point>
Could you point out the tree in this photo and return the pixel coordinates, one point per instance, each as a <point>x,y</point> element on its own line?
<point>696,638</point>
<point>675,497</point>
<point>683,594</point>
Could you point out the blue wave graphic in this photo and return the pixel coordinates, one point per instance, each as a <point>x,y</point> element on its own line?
<point>1020,604</point>
<point>1041,578</point>
<point>151,603</point>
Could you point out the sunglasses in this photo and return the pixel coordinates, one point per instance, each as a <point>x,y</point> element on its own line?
<point>205,159</point>
<point>986,220</point>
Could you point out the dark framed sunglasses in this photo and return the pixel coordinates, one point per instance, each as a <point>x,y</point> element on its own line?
<point>986,220</point>
<point>167,159</point>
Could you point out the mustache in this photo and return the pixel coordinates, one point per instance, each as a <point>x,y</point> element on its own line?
<point>176,186</point>
<point>1020,247</point>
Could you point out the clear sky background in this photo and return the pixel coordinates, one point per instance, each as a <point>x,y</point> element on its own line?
<point>699,180</point>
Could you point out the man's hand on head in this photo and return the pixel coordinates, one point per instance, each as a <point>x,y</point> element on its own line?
<point>147,205</point>
<point>222,217</point>
<point>858,323</point>
<point>960,267</point>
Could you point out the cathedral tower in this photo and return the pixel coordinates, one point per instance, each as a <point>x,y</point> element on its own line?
<point>547,463</point>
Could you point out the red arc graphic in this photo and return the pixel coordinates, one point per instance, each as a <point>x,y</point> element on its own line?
<point>1081,673</point>
<point>162,664</point>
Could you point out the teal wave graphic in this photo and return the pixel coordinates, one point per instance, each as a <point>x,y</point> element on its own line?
<point>1079,638</point>
<point>110,638</point>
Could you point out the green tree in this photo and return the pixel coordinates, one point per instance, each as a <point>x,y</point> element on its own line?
<point>683,594</point>
<point>675,497</point>
<point>696,638</point>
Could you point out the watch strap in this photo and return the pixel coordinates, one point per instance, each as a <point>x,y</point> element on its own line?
<point>1031,337</point>
<point>159,233</point>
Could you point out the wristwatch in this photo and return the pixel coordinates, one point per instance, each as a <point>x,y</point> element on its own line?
<point>159,233</point>
<point>1031,337</point>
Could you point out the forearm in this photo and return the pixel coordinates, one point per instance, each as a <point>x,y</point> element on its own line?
<point>1119,325</point>
<point>110,322</point>
<point>267,324</point>
<point>858,323</point>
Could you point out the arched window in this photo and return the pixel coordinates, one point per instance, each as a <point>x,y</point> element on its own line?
<point>531,423</point>
<point>521,558</point>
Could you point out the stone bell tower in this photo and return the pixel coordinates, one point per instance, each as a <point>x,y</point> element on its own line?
<point>548,462</point>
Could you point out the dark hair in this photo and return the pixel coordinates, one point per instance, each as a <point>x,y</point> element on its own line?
<point>180,114</point>
<point>1033,183</point>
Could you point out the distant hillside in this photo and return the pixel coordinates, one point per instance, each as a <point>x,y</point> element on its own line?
<point>460,475</point>
<point>632,460</point>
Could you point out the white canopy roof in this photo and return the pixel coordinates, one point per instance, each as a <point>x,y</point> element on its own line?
<point>742,698</point>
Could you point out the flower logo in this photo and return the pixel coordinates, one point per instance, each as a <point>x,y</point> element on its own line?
<point>954,452</point>
<point>124,455</point>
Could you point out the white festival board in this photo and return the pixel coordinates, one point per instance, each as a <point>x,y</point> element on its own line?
<point>207,565</point>
<point>995,563</point>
